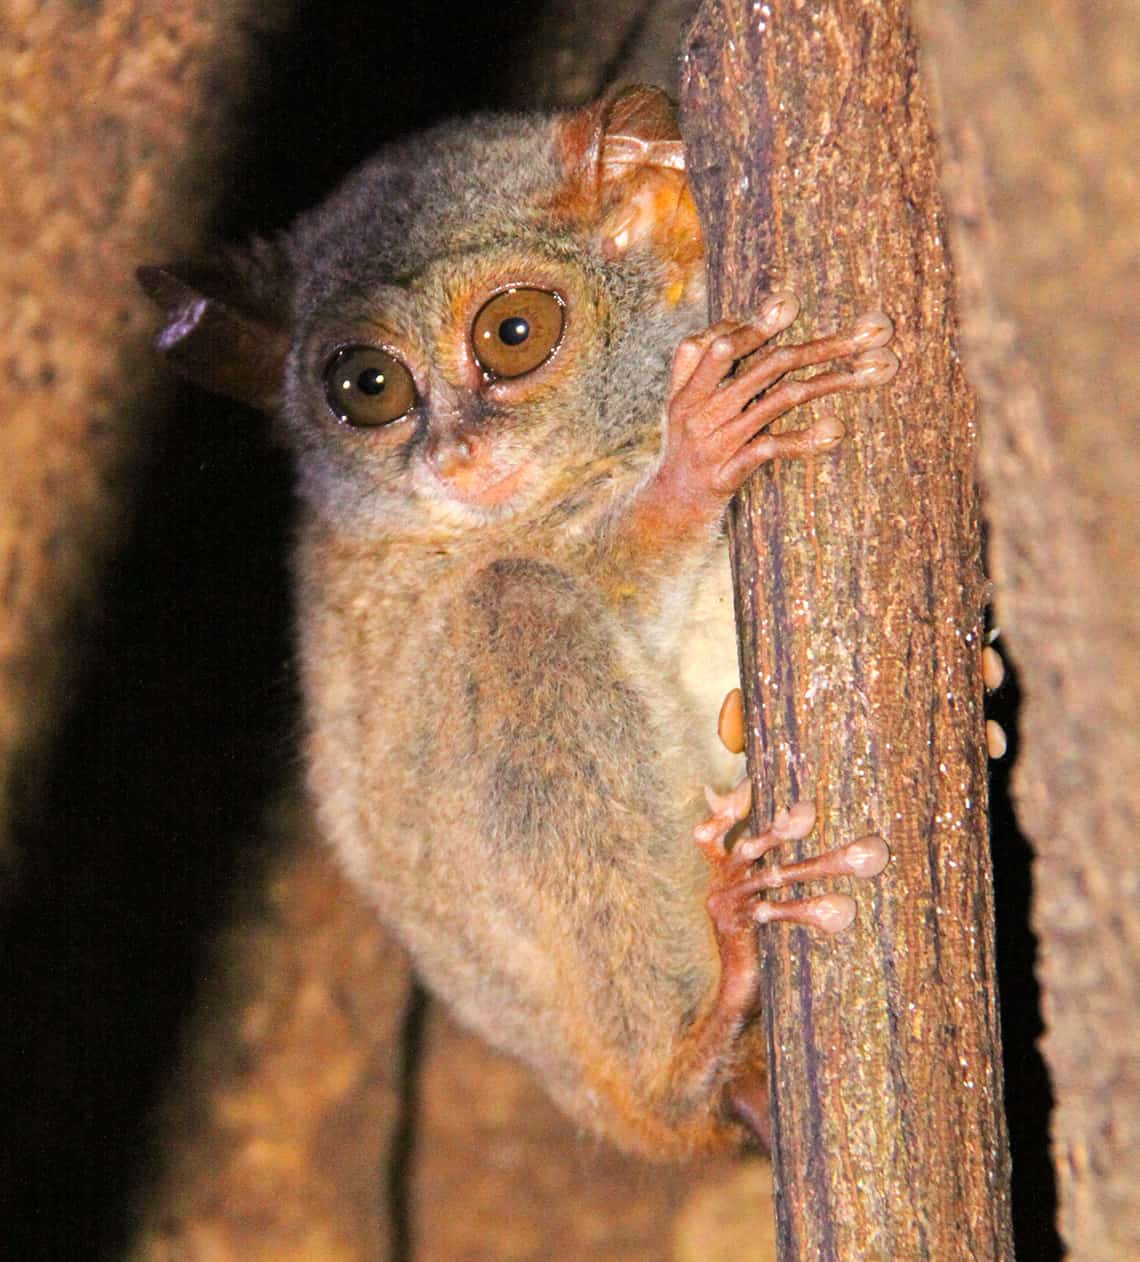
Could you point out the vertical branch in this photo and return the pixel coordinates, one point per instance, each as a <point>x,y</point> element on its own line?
<point>859,596</point>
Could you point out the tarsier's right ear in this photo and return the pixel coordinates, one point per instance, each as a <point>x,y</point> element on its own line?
<point>226,321</point>
<point>623,167</point>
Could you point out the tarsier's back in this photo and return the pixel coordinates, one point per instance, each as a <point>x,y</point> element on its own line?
<point>514,442</point>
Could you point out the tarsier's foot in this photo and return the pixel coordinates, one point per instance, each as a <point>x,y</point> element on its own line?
<point>725,391</point>
<point>736,906</point>
<point>734,900</point>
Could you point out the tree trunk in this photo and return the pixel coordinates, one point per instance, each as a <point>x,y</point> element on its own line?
<point>859,593</point>
<point>1039,105</point>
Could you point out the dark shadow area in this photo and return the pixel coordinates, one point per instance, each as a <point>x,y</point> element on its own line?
<point>401,1158</point>
<point>174,742</point>
<point>1028,1092</point>
<point>181,720</point>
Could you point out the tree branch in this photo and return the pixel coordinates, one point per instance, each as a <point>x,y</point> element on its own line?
<point>859,594</point>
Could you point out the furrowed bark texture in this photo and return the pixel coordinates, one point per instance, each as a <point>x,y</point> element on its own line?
<point>859,594</point>
<point>1040,106</point>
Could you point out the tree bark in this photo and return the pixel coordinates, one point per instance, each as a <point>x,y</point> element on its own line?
<point>1039,105</point>
<point>859,594</point>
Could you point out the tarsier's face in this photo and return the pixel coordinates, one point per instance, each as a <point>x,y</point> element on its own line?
<point>476,325</point>
<point>460,400</point>
<point>464,388</point>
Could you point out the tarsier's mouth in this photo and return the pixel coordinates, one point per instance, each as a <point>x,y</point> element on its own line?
<point>478,486</point>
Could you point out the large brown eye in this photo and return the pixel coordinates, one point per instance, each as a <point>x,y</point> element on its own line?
<point>517,331</point>
<point>366,386</point>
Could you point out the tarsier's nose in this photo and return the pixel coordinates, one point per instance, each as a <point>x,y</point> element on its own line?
<point>457,438</point>
<point>471,462</point>
<point>450,454</point>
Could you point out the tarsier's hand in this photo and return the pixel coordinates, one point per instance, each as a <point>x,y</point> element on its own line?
<point>717,417</point>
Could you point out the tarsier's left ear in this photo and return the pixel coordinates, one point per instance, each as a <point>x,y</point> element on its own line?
<point>624,163</point>
<point>226,321</point>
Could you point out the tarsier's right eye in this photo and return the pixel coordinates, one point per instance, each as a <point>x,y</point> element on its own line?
<point>367,386</point>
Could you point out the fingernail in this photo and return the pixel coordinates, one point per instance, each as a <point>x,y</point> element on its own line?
<point>867,857</point>
<point>835,912</point>
<point>876,367</point>
<point>996,743</point>
<point>796,822</point>
<point>779,310</point>
<point>993,668</point>
<point>827,433</point>
<point>874,328</point>
<point>730,724</point>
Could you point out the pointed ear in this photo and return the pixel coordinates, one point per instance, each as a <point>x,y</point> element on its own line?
<point>226,321</point>
<point>624,164</point>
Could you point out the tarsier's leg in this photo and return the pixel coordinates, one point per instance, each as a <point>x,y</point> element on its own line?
<point>725,391</point>
<point>736,906</point>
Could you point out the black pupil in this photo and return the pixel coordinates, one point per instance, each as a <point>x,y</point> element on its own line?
<point>514,331</point>
<point>370,381</point>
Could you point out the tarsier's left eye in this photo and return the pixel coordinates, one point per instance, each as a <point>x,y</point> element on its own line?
<point>517,331</point>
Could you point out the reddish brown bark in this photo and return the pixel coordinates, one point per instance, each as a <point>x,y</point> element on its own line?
<point>1040,109</point>
<point>859,603</point>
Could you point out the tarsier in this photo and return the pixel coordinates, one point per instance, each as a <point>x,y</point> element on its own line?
<point>515,439</point>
